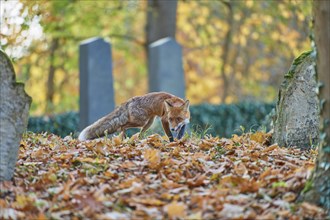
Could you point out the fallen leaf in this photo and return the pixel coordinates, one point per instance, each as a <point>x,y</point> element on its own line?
<point>197,181</point>
<point>152,156</point>
<point>240,169</point>
<point>175,210</point>
<point>206,145</point>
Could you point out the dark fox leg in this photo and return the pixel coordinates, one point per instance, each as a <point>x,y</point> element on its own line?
<point>167,130</point>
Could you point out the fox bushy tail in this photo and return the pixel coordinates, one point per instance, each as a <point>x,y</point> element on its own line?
<point>109,123</point>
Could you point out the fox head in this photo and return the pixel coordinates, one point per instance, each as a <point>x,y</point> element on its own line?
<point>178,115</point>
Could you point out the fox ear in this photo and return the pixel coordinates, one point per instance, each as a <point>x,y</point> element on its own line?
<point>186,104</point>
<point>168,105</point>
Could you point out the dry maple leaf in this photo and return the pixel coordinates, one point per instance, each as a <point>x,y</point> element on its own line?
<point>196,181</point>
<point>175,210</point>
<point>310,209</point>
<point>206,145</point>
<point>259,137</point>
<point>240,168</point>
<point>153,157</point>
<point>155,140</point>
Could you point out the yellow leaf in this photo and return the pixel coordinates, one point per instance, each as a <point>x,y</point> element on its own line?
<point>259,137</point>
<point>205,145</point>
<point>236,138</point>
<point>270,148</point>
<point>153,158</point>
<point>176,151</point>
<point>155,140</point>
<point>52,177</point>
<point>194,216</point>
<point>150,201</point>
<point>175,209</point>
<point>22,201</point>
<point>117,140</point>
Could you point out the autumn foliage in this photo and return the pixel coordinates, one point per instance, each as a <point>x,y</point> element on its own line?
<point>210,178</point>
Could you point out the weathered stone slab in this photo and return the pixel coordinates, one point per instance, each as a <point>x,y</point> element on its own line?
<point>14,113</point>
<point>165,67</point>
<point>297,109</point>
<point>96,81</point>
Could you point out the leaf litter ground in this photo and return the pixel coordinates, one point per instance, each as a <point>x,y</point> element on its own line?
<point>211,178</point>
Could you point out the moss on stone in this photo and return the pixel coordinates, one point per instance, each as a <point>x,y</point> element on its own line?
<point>296,62</point>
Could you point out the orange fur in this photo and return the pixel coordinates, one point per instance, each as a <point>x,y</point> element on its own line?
<point>140,111</point>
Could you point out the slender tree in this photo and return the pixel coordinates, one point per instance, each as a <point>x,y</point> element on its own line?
<point>51,76</point>
<point>225,50</point>
<point>320,191</point>
<point>161,20</point>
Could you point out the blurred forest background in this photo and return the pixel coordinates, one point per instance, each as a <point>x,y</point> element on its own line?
<point>232,50</point>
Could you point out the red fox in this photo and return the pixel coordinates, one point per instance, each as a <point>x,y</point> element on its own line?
<point>140,111</point>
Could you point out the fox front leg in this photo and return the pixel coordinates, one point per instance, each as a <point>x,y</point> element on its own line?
<point>146,126</point>
<point>166,127</point>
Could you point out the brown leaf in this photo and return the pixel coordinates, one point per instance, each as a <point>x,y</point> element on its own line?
<point>266,215</point>
<point>197,181</point>
<point>240,169</point>
<point>289,197</point>
<point>270,148</point>
<point>310,209</point>
<point>88,203</point>
<point>149,201</point>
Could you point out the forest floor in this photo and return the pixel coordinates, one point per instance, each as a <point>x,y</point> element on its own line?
<point>244,177</point>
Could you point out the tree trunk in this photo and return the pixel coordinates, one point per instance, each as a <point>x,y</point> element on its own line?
<point>225,51</point>
<point>51,75</point>
<point>161,20</point>
<point>322,39</point>
<point>320,190</point>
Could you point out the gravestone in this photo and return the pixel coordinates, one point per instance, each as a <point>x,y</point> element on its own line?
<point>297,110</point>
<point>165,67</point>
<point>96,81</point>
<point>14,113</point>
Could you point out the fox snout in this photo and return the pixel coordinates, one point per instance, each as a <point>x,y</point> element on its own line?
<point>179,130</point>
<point>178,127</point>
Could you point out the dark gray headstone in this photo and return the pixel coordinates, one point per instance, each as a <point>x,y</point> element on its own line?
<point>297,110</point>
<point>165,67</point>
<point>96,81</point>
<point>14,113</point>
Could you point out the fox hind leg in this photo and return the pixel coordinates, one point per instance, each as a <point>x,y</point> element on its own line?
<point>122,133</point>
